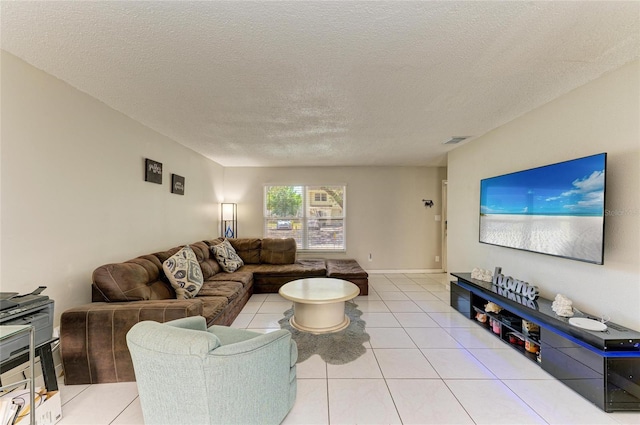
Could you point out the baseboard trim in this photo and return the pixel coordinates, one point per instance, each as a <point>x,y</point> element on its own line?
<point>407,271</point>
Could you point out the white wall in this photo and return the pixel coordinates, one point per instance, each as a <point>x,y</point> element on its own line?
<point>385,213</point>
<point>73,191</point>
<point>602,116</point>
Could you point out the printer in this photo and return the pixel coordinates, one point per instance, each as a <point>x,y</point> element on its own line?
<point>30,309</point>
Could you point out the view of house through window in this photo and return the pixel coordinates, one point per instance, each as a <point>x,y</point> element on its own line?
<point>313,215</point>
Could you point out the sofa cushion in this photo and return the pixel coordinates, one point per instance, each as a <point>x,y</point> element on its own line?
<point>184,273</point>
<point>164,255</point>
<point>227,257</point>
<point>207,262</point>
<point>229,290</point>
<point>301,269</point>
<point>240,276</point>
<point>213,242</point>
<point>247,249</point>
<point>212,307</point>
<point>134,280</point>
<point>278,251</point>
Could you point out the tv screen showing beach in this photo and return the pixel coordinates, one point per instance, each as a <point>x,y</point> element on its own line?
<point>557,209</point>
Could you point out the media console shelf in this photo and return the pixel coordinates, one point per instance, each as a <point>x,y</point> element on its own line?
<point>603,367</point>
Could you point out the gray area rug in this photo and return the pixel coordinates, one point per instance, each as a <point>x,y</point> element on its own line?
<point>335,348</point>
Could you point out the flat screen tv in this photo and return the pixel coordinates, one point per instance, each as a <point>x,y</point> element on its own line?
<point>557,209</point>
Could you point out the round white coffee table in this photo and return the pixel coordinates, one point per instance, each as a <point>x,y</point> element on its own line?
<point>318,303</point>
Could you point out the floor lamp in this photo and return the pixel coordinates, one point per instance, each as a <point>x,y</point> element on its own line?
<point>229,222</point>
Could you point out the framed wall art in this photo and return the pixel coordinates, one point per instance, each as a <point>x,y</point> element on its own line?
<point>152,171</point>
<point>177,184</point>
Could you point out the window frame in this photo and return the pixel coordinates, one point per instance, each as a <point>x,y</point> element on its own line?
<point>304,218</point>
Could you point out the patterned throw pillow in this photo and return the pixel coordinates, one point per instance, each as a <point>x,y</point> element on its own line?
<point>184,273</point>
<point>227,257</point>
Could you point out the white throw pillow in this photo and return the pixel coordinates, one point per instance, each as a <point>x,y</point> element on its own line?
<point>227,257</point>
<point>184,273</point>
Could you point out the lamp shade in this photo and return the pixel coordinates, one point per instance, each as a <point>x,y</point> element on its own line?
<point>228,212</point>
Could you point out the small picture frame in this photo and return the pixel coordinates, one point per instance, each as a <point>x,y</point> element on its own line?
<point>177,184</point>
<point>152,171</point>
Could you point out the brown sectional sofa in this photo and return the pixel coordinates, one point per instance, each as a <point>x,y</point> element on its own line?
<point>93,336</point>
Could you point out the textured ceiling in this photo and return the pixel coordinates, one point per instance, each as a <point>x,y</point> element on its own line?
<point>323,83</point>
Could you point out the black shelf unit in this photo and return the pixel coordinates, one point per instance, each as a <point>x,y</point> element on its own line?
<point>505,328</point>
<point>603,367</point>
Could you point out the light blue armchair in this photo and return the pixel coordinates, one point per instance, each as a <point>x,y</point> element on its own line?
<point>188,374</point>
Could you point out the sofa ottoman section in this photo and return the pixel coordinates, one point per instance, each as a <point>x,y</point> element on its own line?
<point>349,269</point>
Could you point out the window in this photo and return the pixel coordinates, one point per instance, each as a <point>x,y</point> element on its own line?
<point>313,215</point>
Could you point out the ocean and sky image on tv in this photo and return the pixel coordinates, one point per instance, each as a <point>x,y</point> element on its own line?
<point>557,209</point>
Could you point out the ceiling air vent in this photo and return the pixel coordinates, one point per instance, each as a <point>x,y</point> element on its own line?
<point>455,140</point>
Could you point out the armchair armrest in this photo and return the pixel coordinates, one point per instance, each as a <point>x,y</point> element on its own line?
<point>182,337</point>
<point>196,323</point>
<point>228,335</point>
<point>254,342</point>
<point>93,336</point>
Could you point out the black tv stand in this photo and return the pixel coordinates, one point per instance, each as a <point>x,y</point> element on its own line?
<point>603,367</point>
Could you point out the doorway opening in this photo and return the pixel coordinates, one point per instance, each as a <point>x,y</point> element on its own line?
<point>444,226</point>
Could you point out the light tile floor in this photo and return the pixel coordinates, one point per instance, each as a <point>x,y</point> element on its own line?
<point>425,364</point>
